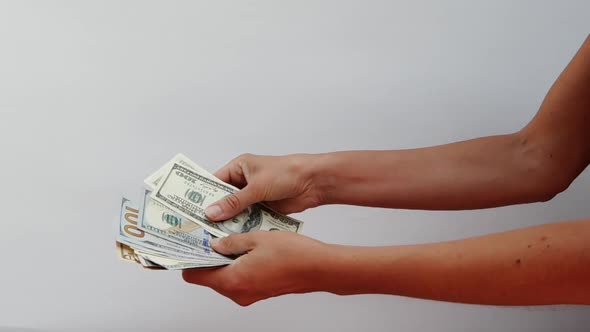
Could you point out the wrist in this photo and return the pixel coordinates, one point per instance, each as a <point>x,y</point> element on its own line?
<point>351,177</point>
<point>343,270</point>
<point>323,270</point>
<point>322,178</point>
<point>349,270</point>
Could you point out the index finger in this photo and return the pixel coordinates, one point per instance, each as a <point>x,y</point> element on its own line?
<point>223,174</point>
<point>232,173</point>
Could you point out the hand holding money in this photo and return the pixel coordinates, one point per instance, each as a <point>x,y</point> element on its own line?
<point>170,229</point>
<point>284,183</point>
<point>277,263</point>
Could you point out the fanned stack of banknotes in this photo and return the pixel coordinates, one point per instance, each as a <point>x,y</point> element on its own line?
<point>169,229</point>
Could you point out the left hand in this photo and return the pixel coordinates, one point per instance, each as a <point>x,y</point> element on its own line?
<point>272,264</point>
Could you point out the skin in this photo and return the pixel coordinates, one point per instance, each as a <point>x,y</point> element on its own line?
<point>546,264</point>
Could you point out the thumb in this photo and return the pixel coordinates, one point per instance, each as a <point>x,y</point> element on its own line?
<point>235,244</point>
<point>232,205</point>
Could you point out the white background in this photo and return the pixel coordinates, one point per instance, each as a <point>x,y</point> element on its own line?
<point>96,95</point>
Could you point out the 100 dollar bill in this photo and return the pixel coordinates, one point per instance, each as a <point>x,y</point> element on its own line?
<point>187,192</point>
<point>164,222</point>
<point>131,234</point>
<point>152,181</point>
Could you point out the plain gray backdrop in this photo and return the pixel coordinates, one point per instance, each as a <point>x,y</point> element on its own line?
<point>95,95</point>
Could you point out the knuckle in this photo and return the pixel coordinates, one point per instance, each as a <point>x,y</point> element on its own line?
<point>227,242</point>
<point>243,159</point>
<point>245,156</point>
<point>233,202</point>
<point>236,169</point>
<point>311,201</point>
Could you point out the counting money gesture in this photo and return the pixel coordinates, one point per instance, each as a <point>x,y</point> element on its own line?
<point>539,265</point>
<point>284,183</point>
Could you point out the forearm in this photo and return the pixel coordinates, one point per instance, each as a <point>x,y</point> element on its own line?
<point>531,165</point>
<point>547,264</point>
<point>480,173</point>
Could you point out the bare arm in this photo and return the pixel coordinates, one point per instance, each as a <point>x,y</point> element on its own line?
<point>547,264</point>
<point>531,165</point>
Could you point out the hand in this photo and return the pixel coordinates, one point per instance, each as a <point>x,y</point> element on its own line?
<point>283,183</point>
<point>272,264</point>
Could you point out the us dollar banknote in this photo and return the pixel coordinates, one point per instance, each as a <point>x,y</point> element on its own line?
<point>131,234</point>
<point>158,219</point>
<point>152,181</point>
<point>152,261</point>
<point>126,253</point>
<point>169,229</point>
<point>188,192</point>
<point>139,245</point>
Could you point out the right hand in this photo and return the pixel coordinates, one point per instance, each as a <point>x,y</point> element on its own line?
<point>284,183</point>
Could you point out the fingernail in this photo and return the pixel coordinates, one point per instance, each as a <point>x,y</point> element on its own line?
<point>213,211</point>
